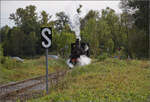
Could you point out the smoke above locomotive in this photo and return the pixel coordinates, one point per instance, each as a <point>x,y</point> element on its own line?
<point>79,50</point>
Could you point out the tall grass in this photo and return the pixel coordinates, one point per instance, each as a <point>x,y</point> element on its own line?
<point>13,70</point>
<point>111,80</point>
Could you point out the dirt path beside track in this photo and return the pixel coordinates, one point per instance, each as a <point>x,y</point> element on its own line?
<point>23,90</point>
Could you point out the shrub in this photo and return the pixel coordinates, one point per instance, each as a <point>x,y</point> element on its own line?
<point>102,57</point>
<point>10,63</point>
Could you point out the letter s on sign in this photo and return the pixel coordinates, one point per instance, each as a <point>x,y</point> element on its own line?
<point>46,37</point>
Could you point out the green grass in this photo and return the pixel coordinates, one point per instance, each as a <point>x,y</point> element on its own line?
<point>13,71</point>
<point>111,80</point>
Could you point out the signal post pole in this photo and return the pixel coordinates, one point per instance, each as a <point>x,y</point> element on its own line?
<point>46,35</point>
<point>47,70</point>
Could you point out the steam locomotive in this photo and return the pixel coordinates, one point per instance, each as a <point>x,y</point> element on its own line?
<point>77,49</point>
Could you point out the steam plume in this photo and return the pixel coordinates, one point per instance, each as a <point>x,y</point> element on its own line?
<point>74,24</point>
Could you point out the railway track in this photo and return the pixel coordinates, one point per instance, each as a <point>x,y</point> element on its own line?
<point>12,92</point>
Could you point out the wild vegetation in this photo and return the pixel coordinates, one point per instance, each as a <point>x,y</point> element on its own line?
<point>105,31</point>
<point>13,70</point>
<point>111,80</point>
<point>107,79</point>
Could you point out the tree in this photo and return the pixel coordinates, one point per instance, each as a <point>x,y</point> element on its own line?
<point>20,44</point>
<point>1,56</point>
<point>140,12</point>
<point>112,20</point>
<point>89,34</point>
<point>90,14</point>
<point>62,20</point>
<point>4,33</point>
<point>1,52</point>
<point>45,19</point>
<point>106,43</point>
<point>13,46</point>
<point>125,25</point>
<point>62,42</point>
<point>26,19</point>
<point>29,47</point>
<point>102,32</point>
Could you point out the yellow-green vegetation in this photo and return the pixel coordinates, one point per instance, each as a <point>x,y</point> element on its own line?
<point>111,80</point>
<point>13,70</point>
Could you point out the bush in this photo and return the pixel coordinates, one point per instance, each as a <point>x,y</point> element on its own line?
<point>102,57</point>
<point>63,42</point>
<point>10,63</point>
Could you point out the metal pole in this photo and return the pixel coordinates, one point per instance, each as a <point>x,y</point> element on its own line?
<point>47,70</point>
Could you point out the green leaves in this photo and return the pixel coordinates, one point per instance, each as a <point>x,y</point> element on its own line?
<point>105,31</point>
<point>45,19</point>
<point>63,42</point>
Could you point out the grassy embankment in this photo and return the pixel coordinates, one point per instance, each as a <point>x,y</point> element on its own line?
<point>13,71</point>
<point>111,80</point>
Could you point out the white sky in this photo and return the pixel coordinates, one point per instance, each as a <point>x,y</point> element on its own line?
<point>52,7</point>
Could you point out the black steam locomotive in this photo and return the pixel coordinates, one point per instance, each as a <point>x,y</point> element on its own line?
<point>77,49</point>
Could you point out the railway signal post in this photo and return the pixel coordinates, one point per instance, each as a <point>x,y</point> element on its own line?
<point>46,35</point>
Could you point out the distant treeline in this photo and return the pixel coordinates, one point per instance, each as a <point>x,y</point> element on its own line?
<point>105,31</point>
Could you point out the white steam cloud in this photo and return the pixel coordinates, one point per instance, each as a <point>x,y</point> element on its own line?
<point>84,60</point>
<point>74,24</point>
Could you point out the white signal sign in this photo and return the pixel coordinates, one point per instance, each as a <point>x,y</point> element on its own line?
<point>46,34</point>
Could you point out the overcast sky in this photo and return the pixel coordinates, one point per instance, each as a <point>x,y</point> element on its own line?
<point>52,7</point>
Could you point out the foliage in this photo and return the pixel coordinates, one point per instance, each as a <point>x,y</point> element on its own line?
<point>90,35</point>
<point>102,57</point>
<point>4,33</point>
<point>138,43</point>
<point>62,20</point>
<point>45,19</point>
<point>62,44</point>
<point>105,33</point>
<point>13,45</point>
<point>139,10</point>
<point>91,14</point>
<point>1,51</point>
<point>1,56</point>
